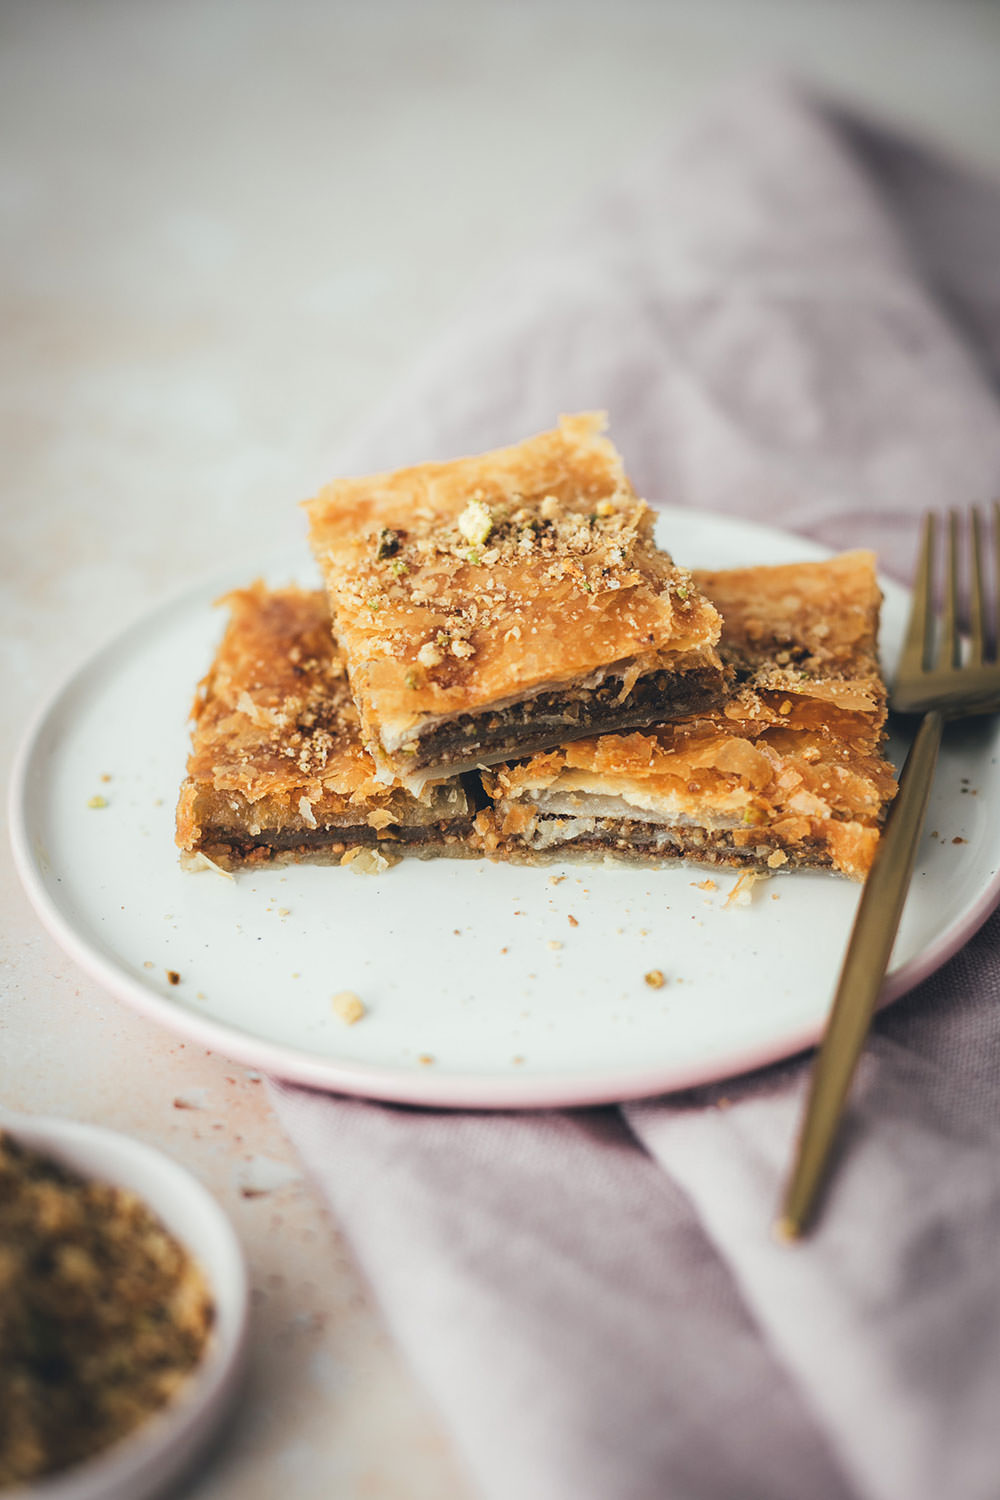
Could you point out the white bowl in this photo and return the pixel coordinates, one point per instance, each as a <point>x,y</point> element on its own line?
<point>161,1448</point>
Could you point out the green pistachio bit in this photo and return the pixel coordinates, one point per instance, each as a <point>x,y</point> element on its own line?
<point>388,543</point>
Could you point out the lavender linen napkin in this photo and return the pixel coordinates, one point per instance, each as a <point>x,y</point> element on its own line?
<point>792,315</point>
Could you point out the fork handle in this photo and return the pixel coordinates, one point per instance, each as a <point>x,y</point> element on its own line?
<point>865,963</point>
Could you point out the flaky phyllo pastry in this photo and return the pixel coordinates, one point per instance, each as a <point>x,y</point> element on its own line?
<point>277,769</point>
<point>787,773</point>
<point>493,606</point>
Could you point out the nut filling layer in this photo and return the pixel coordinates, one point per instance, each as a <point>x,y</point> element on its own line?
<point>462,743</point>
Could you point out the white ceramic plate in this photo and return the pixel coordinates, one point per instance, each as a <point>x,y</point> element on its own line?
<point>480,990</point>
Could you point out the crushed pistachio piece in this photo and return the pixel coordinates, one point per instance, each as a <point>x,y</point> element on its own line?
<point>388,543</point>
<point>98,802</point>
<point>429,655</point>
<point>475,523</point>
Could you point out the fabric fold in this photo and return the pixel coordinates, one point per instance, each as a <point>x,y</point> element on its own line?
<point>888,1317</point>
<point>553,1290</point>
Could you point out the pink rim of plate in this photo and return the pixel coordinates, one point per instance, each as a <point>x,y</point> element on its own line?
<point>445,1090</point>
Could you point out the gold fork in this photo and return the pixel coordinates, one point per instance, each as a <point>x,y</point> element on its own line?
<point>938,678</point>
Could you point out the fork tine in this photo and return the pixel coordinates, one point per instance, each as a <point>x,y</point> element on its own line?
<point>977,605</point>
<point>948,651</point>
<point>919,627</point>
<point>939,692</point>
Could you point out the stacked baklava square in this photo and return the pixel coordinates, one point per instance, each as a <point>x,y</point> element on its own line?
<point>277,768</point>
<point>785,771</point>
<point>504,663</point>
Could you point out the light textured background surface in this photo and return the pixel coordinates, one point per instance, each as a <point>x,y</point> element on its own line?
<point>226,231</point>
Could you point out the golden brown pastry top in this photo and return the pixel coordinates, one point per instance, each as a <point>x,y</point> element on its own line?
<point>813,620</point>
<point>459,585</point>
<point>274,715</point>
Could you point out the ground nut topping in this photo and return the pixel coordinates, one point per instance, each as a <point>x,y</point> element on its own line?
<point>103,1315</point>
<point>429,655</point>
<point>475,523</point>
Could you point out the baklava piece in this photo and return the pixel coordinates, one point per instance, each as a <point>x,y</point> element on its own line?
<point>493,606</point>
<point>277,770</point>
<point>787,774</point>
